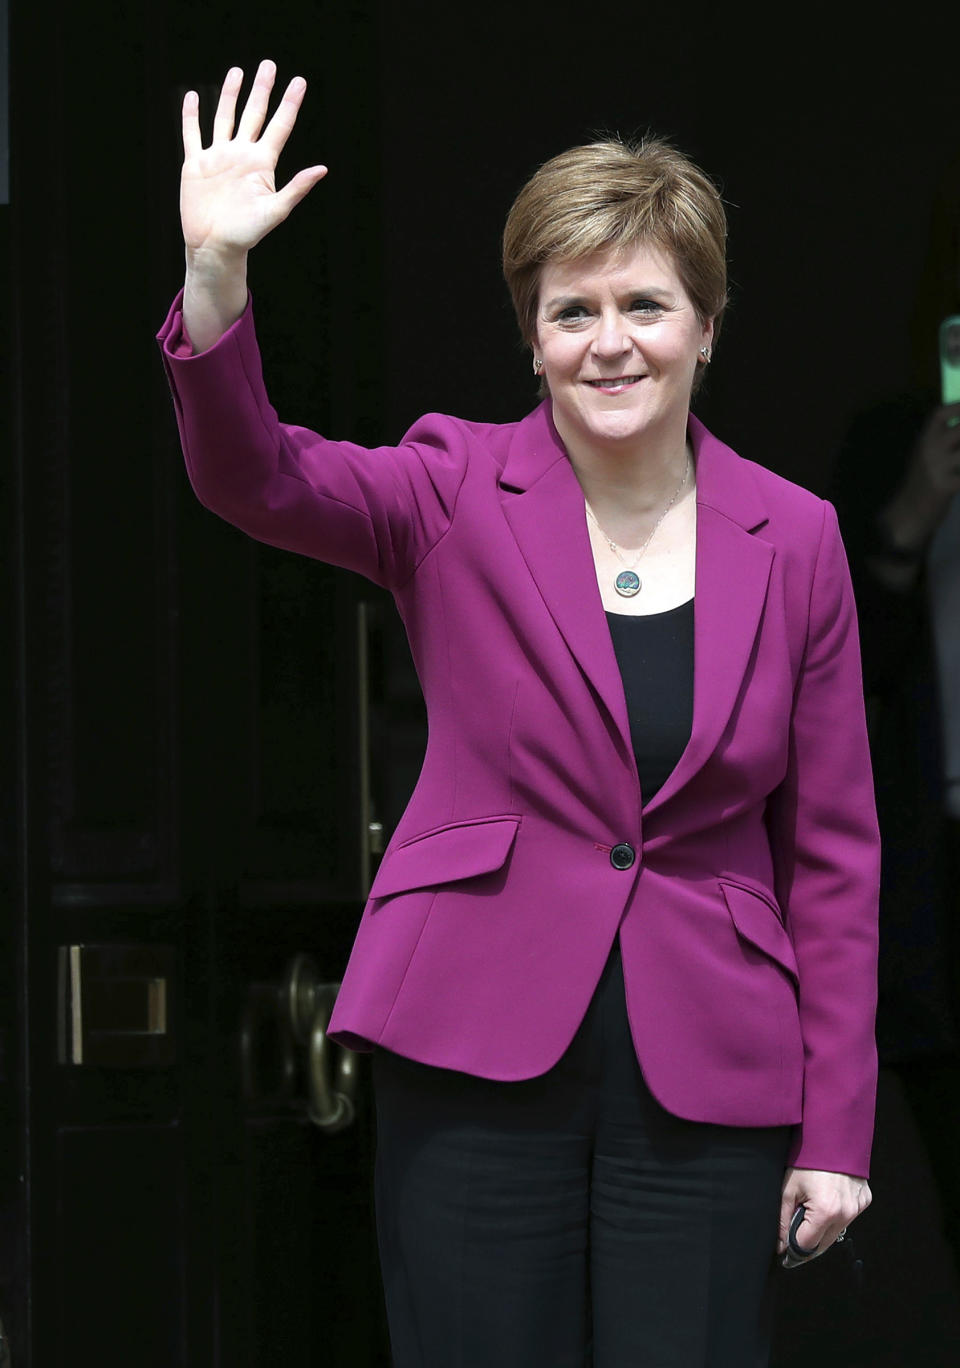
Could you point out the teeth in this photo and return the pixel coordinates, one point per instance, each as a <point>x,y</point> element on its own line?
<point>615,383</point>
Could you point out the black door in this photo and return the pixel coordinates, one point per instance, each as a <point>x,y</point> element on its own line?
<point>195,738</point>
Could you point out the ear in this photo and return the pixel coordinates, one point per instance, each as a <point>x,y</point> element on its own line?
<point>707,339</point>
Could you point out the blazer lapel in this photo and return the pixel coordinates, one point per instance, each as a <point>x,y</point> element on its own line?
<point>543,504</point>
<point>732,575</point>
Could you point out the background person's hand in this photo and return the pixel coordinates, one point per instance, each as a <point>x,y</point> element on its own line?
<point>228,195</point>
<point>936,459</point>
<point>921,500</point>
<point>832,1202</point>
<point>931,479</point>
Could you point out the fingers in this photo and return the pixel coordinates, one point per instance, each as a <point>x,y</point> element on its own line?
<point>818,1232</point>
<point>803,1239</point>
<point>279,128</point>
<point>938,451</point>
<point>281,125</point>
<point>227,105</point>
<point>255,110</point>
<point>831,1202</point>
<point>943,424</point>
<point>192,142</point>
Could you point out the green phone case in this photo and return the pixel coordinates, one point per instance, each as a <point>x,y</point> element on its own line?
<point>950,360</point>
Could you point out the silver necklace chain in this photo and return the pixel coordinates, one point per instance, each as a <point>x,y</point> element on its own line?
<point>628,582</point>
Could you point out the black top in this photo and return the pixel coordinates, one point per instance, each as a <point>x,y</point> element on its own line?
<point>655,655</point>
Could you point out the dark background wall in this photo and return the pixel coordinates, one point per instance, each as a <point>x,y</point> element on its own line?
<point>144,638</point>
<point>827,133</point>
<point>830,137</point>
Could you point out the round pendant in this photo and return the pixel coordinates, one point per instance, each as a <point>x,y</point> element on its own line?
<point>627,583</point>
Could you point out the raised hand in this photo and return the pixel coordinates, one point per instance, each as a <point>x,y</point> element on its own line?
<point>228,194</point>
<point>229,199</point>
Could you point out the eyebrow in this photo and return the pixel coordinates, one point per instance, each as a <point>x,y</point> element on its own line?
<point>635,292</point>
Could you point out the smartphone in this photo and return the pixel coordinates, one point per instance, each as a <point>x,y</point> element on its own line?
<point>794,1255</point>
<point>950,360</point>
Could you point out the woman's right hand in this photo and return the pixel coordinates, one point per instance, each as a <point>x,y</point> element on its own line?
<point>228,195</point>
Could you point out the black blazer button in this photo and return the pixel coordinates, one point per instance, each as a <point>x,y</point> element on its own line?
<point>622,856</point>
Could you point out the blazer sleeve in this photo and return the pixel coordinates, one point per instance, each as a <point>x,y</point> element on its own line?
<point>824,835</point>
<point>378,511</point>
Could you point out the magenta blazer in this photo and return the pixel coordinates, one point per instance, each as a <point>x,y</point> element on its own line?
<point>745,892</point>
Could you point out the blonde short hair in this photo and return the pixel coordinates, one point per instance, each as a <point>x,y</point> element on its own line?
<point>616,194</point>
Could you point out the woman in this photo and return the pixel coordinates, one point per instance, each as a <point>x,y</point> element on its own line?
<point>612,1033</point>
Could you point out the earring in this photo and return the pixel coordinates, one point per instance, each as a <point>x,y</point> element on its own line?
<point>705,353</point>
<point>537,365</point>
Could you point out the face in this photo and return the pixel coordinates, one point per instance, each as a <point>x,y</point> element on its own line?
<point>619,339</point>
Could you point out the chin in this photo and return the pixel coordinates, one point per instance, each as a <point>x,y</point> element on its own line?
<point>618,433</point>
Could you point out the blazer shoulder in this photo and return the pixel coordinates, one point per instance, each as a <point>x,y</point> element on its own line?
<point>803,527</point>
<point>774,507</point>
<point>791,506</point>
<point>446,431</point>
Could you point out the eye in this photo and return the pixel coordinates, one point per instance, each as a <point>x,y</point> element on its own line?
<point>573,313</point>
<point>643,305</point>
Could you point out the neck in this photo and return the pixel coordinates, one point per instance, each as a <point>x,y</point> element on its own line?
<point>635,479</point>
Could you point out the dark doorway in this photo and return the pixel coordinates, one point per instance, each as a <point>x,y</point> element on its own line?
<point>191,724</point>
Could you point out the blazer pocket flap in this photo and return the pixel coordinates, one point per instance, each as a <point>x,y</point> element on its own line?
<point>758,922</point>
<point>452,852</point>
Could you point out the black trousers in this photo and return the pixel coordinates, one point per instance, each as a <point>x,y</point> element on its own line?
<point>568,1220</point>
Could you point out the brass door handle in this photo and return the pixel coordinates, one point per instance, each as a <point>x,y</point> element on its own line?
<point>331,1070</point>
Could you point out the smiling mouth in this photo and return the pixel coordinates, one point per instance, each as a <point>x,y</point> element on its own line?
<point>616,384</point>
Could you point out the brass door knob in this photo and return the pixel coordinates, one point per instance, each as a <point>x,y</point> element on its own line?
<point>331,1070</point>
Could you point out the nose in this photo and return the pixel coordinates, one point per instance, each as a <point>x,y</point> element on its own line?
<point>611,339</point>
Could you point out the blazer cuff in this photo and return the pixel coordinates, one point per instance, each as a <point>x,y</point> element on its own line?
<point>175,341</point>
<point>828,1155</point>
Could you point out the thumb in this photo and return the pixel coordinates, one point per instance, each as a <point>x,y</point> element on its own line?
<point>298,187</point>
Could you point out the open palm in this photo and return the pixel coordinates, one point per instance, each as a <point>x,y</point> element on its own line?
<point>228,194</point>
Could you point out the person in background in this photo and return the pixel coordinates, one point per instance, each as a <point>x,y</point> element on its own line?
<point>897,491</point>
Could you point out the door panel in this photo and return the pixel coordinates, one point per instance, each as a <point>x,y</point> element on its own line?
<point>188,777</point>
<point>120,1251</point>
